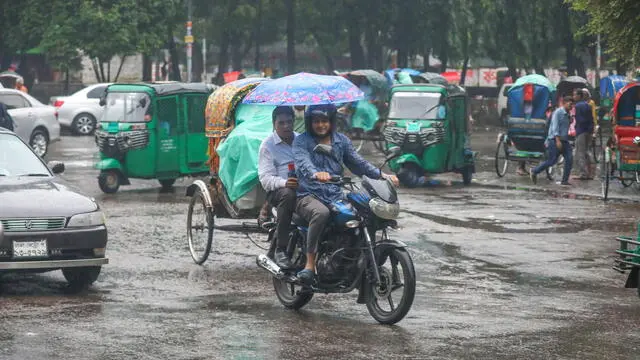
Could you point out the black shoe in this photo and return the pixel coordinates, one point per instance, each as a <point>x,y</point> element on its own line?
<point>281,259</point>
<point>306,277</point>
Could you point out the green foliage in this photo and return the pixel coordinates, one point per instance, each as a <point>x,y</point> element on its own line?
<point>618,21</point>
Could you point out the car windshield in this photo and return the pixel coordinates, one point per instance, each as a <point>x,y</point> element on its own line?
<point>16,159</point>
<point>126,107</point>
<point>415,105</point>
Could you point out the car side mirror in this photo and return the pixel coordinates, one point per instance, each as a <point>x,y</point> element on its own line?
<point>56,167</point>
<point>323,149</point>
<point>103,100</point>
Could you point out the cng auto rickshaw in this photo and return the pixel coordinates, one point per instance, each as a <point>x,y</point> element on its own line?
<point>151,131</point>
<point>429,122</point>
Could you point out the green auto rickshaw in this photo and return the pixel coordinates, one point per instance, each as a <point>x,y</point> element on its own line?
<point>152,131</point>
<point>429,123</point>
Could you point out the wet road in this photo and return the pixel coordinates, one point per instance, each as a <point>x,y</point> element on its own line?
<point>505,270</point>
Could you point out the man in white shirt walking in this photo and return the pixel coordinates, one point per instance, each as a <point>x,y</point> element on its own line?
<point>276,155</point>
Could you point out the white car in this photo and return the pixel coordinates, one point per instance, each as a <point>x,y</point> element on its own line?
<point>35,122</point>
<point>503,109</point>
<point>81,110</point>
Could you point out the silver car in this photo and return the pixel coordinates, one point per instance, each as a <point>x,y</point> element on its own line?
<point>81,110</point>
<point>35,122</point>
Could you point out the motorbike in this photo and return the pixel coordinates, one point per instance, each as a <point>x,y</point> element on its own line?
<point>355,252</point>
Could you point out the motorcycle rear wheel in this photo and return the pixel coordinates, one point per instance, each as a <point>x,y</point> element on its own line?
<point>291,295</point>
<point>389,283</point>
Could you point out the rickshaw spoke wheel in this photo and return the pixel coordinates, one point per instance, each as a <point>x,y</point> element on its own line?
<point>604,175</point>
<point>199,228</point>
<point>501,160</point>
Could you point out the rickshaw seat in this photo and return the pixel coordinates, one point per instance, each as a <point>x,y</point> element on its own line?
<point>627,131</point>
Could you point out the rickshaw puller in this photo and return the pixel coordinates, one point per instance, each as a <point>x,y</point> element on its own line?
<point>273,167</point>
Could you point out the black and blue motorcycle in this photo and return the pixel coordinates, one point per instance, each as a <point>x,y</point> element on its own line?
<point>355,253</point>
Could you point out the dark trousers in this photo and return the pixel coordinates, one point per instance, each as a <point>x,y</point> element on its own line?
<point>567,153</point>
<point>317,215</point>
<point>284,200</point>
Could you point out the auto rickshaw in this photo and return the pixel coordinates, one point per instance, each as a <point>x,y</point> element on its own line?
<point>429,122</point>
<point>151,131</point>
<point>621,154</point>
<point>524,141</point>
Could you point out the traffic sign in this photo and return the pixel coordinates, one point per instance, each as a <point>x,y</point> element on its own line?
<point>188,39</point>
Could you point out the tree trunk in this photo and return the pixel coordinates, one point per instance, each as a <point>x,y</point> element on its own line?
<point>325,52</point>
<point>258,37</point>
<point>173,54</point>
<point>355,49</point>
<point>568,40</point>
<point>102,77</point>
<point>122,60</point>
<point>291,39</point>
<point>146,68</point>
<point>223,56</point>
<point>66,81</point>
<point>109,70</point>
<point>96,69</point>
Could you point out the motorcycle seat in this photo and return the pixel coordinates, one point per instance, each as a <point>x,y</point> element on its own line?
<point>299,220</point>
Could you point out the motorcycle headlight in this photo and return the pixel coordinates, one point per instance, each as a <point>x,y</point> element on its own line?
<point>384,209</point>
<point>86,220</point>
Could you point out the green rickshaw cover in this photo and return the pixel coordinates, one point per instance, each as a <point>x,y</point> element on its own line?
<point>239,152</point>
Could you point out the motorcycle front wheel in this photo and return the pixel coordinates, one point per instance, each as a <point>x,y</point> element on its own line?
<point>397,277</point>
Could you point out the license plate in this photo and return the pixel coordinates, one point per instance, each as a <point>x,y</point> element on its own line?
<point>37,248</point>
<point>413,127</point>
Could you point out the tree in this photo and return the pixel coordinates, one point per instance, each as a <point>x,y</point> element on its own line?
<point>617,22</point>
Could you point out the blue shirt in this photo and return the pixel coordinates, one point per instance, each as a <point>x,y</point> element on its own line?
<point>559,125</point>
<point>584,118</point>
<point>273,162</point>
<point>308,163</point>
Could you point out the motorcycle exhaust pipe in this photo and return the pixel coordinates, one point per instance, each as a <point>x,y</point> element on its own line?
<point>264,262</point>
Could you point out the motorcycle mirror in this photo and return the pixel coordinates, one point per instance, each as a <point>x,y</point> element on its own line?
<point>143,102</point>
<point>392,153</point>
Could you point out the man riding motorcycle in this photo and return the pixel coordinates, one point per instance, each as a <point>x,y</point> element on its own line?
<point>313,169</point>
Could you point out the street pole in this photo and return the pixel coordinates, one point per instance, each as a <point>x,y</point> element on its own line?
<point>189,41</point>
<point>204,60</point>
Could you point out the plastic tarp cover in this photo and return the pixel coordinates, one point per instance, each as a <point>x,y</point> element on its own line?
<point>540,103</point>
<point>365,115</point>
<point>239,152</point>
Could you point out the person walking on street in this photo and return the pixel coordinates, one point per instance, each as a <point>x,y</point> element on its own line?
<point>584,133</point>
<point>558,142</point>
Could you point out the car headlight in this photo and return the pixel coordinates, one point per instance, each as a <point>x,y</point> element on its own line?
<point>384,209</point>
<point>88,219</point>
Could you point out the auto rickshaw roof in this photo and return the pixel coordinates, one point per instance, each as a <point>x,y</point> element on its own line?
<point>161,89</point>
<point>449,90</point>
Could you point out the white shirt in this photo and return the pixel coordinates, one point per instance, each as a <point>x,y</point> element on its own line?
<point>273,162</point>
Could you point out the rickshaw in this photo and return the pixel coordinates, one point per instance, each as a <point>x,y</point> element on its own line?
<point>622,152</point>
<point>528,101</point>
<point>628,259</point>
<point>365,119</point>
<point>609,87</point>
<point>429,123</point>
<point>151,131</point>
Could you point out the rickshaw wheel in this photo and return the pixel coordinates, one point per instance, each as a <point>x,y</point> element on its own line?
<point>604,174</point>
<point>109,181</point>
<point>626,182</point>
<point>501,163</point>
<point>201,229</point>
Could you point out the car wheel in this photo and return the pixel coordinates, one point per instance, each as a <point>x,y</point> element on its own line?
<point>81,277</point>
<point>83,124</point>
<point>39,142</point>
